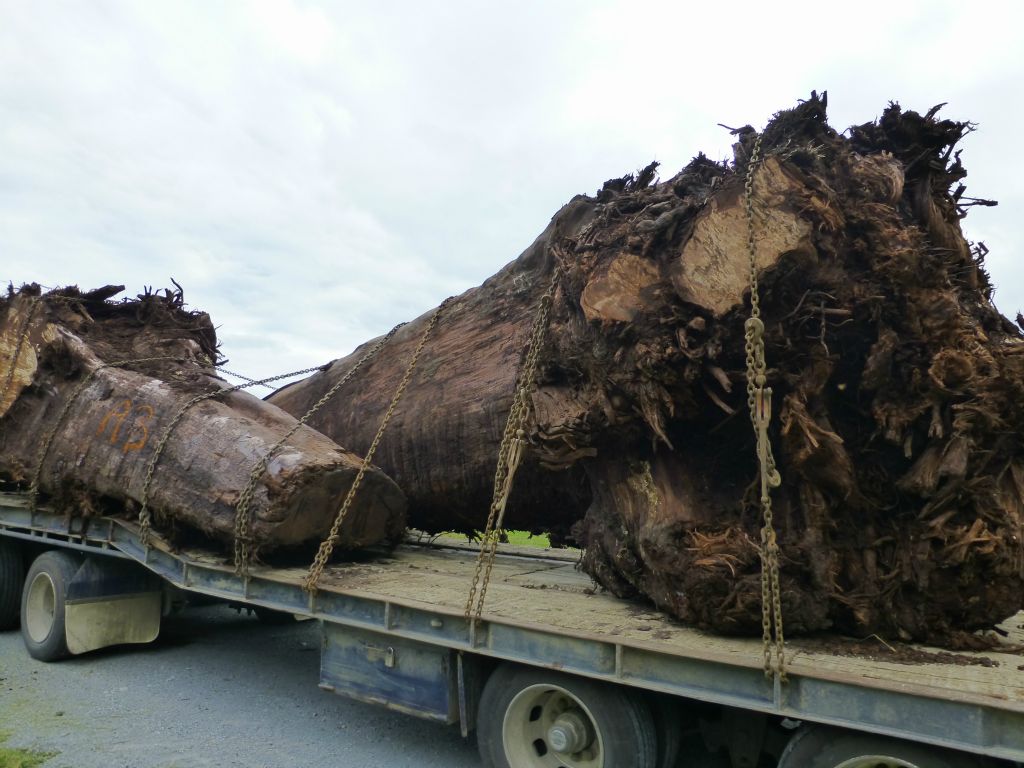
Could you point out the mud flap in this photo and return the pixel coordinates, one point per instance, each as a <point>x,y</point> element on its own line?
<point>111,602</point>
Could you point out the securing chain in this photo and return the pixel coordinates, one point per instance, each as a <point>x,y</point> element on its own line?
<point>327,545</point>
<point>248,379</point>
<point>22,338</point>
<point>510,453</point>
<point>47,442</point>
<point>243,513</point>
<point>265,382</point>
<point>759,401</point>
<point>145,515</point>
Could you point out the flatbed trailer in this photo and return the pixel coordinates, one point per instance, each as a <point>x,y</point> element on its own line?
<point>555,673</point>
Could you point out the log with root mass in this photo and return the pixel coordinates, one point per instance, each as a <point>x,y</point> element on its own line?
<point>898,389</point>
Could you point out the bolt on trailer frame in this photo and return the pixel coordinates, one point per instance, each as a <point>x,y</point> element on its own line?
<point>394,633</point>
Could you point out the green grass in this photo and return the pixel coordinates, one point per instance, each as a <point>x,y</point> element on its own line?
<point>518,538</point>
<point>526,539</point>
<point>21,758</point>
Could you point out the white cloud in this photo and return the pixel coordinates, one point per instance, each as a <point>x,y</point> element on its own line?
<point>314,173</point>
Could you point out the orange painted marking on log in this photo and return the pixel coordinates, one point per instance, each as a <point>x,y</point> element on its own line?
<point>120,413</point>
<point>143,415</point>
<point>120,422</point>
<point>141,422</point>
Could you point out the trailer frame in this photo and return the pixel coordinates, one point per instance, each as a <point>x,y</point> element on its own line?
<point>454,652</point>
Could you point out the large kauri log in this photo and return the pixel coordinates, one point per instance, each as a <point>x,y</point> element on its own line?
<point>441,447</point>
<point>898,389</point>
<point>100,450</point>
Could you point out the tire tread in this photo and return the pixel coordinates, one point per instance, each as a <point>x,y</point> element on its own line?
<point>61,566</point>
<point>12,577</point>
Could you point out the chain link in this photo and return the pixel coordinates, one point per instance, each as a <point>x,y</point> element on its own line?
<point>759,401</point>
<point>145,515</point>
<point>263,382</point>
<point>326,549</point>
<point>245,378</point>
<point>510,453</point>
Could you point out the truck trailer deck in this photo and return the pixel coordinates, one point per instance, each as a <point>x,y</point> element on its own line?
<point>395,633</point>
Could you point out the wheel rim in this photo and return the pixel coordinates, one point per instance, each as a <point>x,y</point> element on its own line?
<point>40,607</point>
<point>545,726</point>
<point>878,761</point>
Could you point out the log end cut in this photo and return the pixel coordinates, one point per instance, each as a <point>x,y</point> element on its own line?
<point>376,517</point>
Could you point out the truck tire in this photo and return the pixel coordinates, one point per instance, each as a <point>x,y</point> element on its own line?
<point>533,718</point>
<point>821,747</point>
<point>42,604</point>
<point>12,579</point>
<point>670,720</point>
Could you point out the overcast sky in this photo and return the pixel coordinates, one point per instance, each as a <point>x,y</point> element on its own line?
<point>313,173</point>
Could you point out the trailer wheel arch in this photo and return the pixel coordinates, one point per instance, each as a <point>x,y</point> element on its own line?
<point>43,603</point>
<point>530,711</point>
<point>817,746</point>
<point>12,581</point>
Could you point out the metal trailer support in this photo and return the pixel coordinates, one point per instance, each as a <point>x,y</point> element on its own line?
<point>404,675</point>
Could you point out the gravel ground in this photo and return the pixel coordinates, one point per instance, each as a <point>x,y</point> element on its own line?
<point>218,689</point>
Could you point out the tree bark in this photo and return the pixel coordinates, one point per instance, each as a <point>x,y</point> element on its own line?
<point>104,442</point>
<point>898,389</point>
